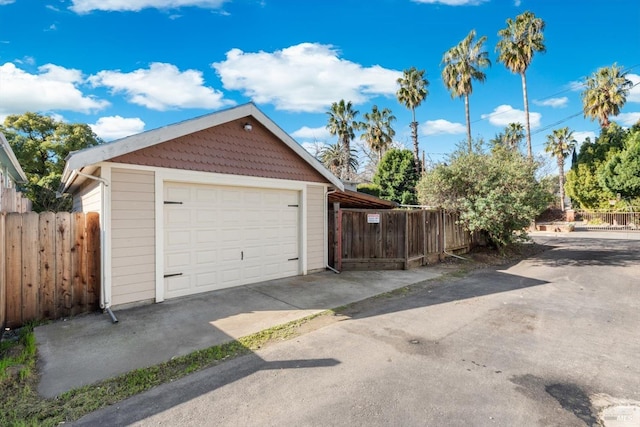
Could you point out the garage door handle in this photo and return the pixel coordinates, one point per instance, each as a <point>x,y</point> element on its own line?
<point>293,259</point>
<point>167,202</point>
<point>172,275</point>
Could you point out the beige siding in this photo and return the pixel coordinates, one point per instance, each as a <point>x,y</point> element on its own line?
<point>315,228</point>
<point>132,236</point>
<point>87,199</point>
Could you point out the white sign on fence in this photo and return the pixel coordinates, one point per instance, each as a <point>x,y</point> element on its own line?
<point>373,218</point>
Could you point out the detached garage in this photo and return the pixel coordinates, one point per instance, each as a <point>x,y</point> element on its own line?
<point>223,200</point>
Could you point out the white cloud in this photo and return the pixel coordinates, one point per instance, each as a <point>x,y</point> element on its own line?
<point>314,134</point>
<point>553,102</point>
<point>161,87</point>
<point>4,2</point>
<point>440,126</point>
<point>627,119</point>
<point>576,85</point>
<point>53,88</point>
<point>116,127</point>
<point>502,115</point>
<point>580,136</point>
<point>307,77</point>
<point>634,93</point>
<point>86,6</point>
<point>453,2</point>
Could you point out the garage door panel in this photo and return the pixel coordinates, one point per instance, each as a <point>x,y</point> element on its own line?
<point>178,237</point>
<point>228,236</point>
<point>204,257</point>
<point>207,236</point>
<point>178,260</point>
<point>205,280</point>
<point>177,284</point>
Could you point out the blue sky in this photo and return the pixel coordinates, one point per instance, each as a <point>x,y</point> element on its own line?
<point>124,66</point>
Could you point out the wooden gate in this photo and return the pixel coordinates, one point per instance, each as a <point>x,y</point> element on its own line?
<point>393,239</point>
<point>50,266</point>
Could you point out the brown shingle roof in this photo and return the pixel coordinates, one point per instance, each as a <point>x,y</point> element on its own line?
<point>228,149</point>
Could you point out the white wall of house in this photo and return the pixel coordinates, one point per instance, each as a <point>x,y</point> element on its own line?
<point>316,237</point>
<point>88,198</point>
<point>134,224</point>
<point>133,269</point>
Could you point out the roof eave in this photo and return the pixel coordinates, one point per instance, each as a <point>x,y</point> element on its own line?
<point>13,166</point>
<point>78,160</point>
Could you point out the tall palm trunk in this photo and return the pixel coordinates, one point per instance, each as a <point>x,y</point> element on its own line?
<point>466,111</point>
<point>346,147</point>
<point>526,115</point>
<point>414,136</point>
<point>561,178</point>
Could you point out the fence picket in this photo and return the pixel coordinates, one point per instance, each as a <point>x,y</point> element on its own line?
<point>402,239</point>
<point>14,269</point>
<point>3,269</point>
<point>47,238</point>
<point>40,279</point>
<point>30,266</point>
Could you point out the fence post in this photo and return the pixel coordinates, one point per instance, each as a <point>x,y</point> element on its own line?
<point>13,229</point>
<point>3,272</point>
<point>406,239</point>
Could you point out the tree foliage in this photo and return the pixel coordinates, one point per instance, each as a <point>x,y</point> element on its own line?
<point>620,174</point>
<point>342,123</point>
<point>605,93</point>
<point>604,169</point>
<point>495,192</point>
<point>412,91</point>
<point>41,144</point>
<point>397,177</point>
<point>378,130</point>
<point>520,40</point>
<point>463,64</point>
<point>560,144</point>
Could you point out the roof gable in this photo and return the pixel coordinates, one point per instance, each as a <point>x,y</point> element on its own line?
<point>228,149</point>
<point>121,148</point>
<point>9,161</point>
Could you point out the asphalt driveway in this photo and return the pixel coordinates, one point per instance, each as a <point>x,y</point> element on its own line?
<point>550,341</point>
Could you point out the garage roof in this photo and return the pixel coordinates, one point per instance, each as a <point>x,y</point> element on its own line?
<point>355,200</point>
<point>78,160</point>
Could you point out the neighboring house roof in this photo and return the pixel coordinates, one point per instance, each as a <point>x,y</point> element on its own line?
<point>143,144</point>
<point>9,161</point>
<point>354,200</point>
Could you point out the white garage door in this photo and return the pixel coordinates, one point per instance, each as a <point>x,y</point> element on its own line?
<point>216,237</point>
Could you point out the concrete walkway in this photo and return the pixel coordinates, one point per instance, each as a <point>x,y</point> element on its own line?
<point>88,349</point>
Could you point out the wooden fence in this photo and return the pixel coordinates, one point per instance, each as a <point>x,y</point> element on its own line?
<point>11,200</point>
<point>394,239</point>
<point>49,264</point>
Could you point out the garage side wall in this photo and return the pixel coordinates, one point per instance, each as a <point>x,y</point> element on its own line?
<point>315,228</point>
<point>132,235</point>
<point>87,199</point>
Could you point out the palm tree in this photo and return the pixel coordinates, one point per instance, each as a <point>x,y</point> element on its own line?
<point>336,159</point>
<point>520,40</point>
<point>412,91</point>
<point>560,144</point>
<point>342,124</point>
<point>513,135</point>
<point>605,94</point>
<point>462,65</point>
<point>378,132</point>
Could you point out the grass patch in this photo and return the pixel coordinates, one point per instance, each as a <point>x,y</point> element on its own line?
<point>22,406</point>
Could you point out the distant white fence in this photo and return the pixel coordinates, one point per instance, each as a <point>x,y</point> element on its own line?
<point>608,220</point>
